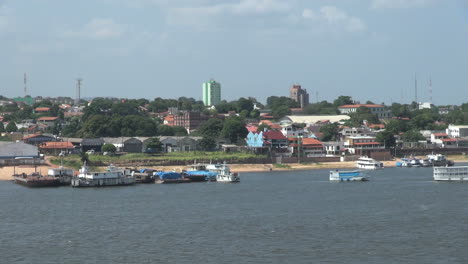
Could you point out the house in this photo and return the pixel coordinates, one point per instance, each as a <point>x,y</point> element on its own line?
<point>377,109</point>
<point>38,139</point>
<point>56,147</point>
<point>356,131</point>
<point>457,131</point>
<point>48,120</point>
<point>292,130</point>
<point>334,148</point>
<point>92,144</point>
<point>14,150</point>
<point>443,140</point>
<point>312,147</point>
<point>254,139</point>
<point>360,145</point>
<point>275,139</point>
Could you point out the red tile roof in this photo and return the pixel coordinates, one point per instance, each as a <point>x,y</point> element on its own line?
<point>57,145</point>
<point>42,109</point>
<point>359,105</point>
<point>251,128</point>
<point>449,140</point>
<point>273,135</point>
<point>31,136</point>
<point>440,135</point>
<point>47,118</point>
<point>311,141</point>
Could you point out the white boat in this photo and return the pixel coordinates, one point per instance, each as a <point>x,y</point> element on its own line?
<point>439,160</point>
<point>348,176</point>
<point>113,176</point>
<point>456,173</point>
<point>367,163</point>
<point>223,172</point>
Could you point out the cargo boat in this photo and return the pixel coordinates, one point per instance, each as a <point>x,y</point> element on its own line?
<point>36,180</point>
<point>170,177</point>
<point>224,173</point>
<point>113,176</point>
<point>367,163</point>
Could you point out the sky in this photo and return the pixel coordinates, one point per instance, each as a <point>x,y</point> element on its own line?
<point>367,49</point>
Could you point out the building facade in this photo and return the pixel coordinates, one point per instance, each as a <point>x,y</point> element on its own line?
<point>379,110</point>
<point>299,95</point>
<point>211,93</point>
<point>457,131</point>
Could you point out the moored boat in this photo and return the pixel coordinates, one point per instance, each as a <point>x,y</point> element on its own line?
<point>64,175</point>
<point>170,177</point>
<point>36,180</point>
<point>455,173</point>
<point>367,163</point>
<point>355,175</point>
<point>439,160</point>
<point>223,173</point>
<point>113,176</point>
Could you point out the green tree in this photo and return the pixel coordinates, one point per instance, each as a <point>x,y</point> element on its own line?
<point>330,132</point>
<point>154,145</point>
<point>165,130</point>
<point>387,138</point>
<point>11,127</point>
<point>254,113</point>
<point>262,127</point>
<point>281,111</point>
<point>207,143</point>
<point>412,136</point>
<point>2,127</point>
<point>109,148</point>
<point>234,129</point>
<point>396,126</point>
<point>211,128</point>
<point>244,104</point>
<point>343,100</point>
<point>84,157</point>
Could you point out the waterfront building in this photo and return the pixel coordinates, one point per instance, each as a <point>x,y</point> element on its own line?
<point>299,95</point>
<point>313,119</point>
<point>190,120</point>
<point>211,93</point>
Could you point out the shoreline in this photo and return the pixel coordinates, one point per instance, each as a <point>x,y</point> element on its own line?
<point>6,173</point>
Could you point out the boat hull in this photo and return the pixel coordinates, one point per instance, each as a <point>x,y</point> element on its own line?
<point>37,183</point>
<point>77,182</point>
<point>172,181</point>
<point>347,176</point>
<point>456,173</point>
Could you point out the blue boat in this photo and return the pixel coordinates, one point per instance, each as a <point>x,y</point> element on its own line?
<point>170,177</point>
<point>200,175</point>
<point>348,176</point>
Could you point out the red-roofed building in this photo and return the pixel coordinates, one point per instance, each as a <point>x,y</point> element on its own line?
<point>275,138</point>
<point>251,128</point>
<point>443,140</point>
<point>56,147</point>
<point>42,110</point>
<point>310,147</point>
<point>376,109</point>
<point>48,120</point>
<point>37,139</point>
<point>169,120</point>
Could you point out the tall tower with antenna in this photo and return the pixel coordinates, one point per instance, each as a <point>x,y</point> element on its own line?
<point>25,85</point>
<point>415,88</point>
<point>430,90</point>
<point>78,91</point>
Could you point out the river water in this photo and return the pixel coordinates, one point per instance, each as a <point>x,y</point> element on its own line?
<point>400,216</point>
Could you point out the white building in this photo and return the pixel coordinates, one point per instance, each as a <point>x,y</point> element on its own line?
<point>425,105</point>
<point>292,131</point>
<point>376,109</point>
<point>457,131</point>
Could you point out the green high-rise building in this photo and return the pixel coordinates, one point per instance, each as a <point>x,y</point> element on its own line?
<point>211,93</point>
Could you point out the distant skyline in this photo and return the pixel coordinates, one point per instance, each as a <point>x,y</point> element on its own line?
<point>367,49</point>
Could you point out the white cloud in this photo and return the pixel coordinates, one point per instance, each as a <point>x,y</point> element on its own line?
<point>331,18</point>
<point>389,4</point>
<point>99,28</point>
<point>205,17</point>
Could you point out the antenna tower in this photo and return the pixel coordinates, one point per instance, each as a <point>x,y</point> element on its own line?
<point>25,85</point>
<point>78,91</point>
<point>430,90</point>
<point>415,88</point>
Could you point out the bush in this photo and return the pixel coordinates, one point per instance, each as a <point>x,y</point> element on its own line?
<point>109,148</point>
